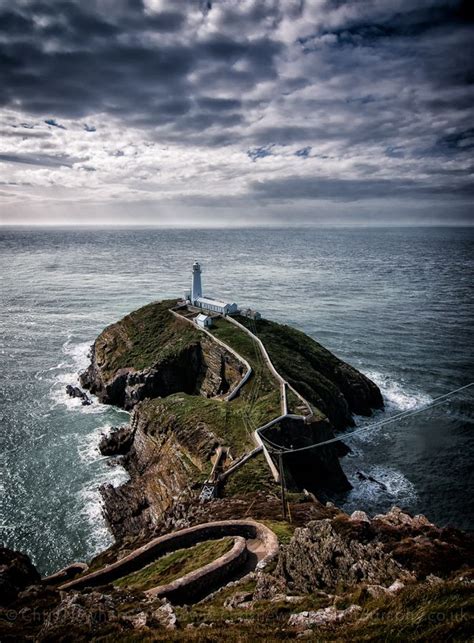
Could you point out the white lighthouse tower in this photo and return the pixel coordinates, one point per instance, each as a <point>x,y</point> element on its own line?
<point>196,289</point>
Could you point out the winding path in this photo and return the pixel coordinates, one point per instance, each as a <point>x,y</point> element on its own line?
<point>254,546</point>
<point>283,384</point>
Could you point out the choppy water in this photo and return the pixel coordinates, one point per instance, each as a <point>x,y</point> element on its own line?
<point>396,303</point>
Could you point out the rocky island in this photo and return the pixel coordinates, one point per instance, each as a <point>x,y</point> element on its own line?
<point>205,542</point>
<point>176,381</point>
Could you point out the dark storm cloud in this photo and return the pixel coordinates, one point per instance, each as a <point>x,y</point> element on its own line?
<point>79,62</point>
<point>328,81</point>
<point>43,160</point>
<point>307,188</point>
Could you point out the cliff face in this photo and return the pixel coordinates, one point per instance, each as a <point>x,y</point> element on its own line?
<point>172,375</point>
<point>334,387</point>
<point>165,459</point>
<point>152,354</point>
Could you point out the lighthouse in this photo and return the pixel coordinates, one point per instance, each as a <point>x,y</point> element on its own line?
<point>207,303</point>
<point>196,289</point>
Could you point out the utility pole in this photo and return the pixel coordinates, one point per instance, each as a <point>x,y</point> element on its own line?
<point>282,483</point>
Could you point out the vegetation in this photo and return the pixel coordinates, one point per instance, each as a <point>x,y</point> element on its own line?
<point>237,339</point>
<point>284,530</point>
<point>309,367</point>
<point>254,475</point>
<point>233,423</point>
<point>419,612</point>
<point>144,338</point>
<point>179,563</point>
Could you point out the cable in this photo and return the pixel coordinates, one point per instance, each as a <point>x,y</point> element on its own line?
<point>438,401</point>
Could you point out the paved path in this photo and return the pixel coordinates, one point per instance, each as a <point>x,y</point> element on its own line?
<point>254,546</point>
<point>283,384</point>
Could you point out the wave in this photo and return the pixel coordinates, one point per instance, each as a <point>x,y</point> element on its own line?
<point>88,447</point>
<point>397,398</point>
<point>388,486</point>
<point>74,360</point>
<point>67,372</point>
<point>396,394</point>
<point>92,507</point>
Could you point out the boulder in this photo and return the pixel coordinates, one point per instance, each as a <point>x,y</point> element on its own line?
<point>75,391</point>
<point>16,573</point>
<point>359,515</point>
<point>323,617</point>
<point>117,442</point>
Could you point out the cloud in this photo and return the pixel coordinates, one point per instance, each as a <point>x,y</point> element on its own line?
<point>54,123</point>
<point>306,188</point>
<point>238,102</point>
<point>42,160</point>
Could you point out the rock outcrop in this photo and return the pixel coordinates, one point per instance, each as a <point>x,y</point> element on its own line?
<point>75,391</point>
<point>322,557</point>
<point>151,358</point>
<point>16,573</point>
<point>381,554</point>
<point>117,442</point>
<point>152,354</point>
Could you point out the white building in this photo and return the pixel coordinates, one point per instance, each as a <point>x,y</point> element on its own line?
<point>251,314</point>
<point>203,321</point>
<point>196,287</point>
<point>208,303</point>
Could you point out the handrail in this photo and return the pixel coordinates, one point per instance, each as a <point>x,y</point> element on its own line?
<point>283,395</point>
<point>244,379</point>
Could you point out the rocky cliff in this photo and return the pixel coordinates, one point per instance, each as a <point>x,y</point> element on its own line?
<point>337,577</point>
<point>173,376</point>
<point>150,353</point>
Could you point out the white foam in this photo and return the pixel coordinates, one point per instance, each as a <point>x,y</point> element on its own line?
<point>396,489</point>
<point>92,504</point>
<point>67,372</point>
<point>398,396</point>
<point>88,447</point>
<point>76,360</point>
<point>78,352</point>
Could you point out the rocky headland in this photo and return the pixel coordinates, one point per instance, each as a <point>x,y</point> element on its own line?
<point>174,379</point>
<point>331,576</point>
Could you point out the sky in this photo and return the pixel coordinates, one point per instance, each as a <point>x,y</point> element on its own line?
<point>236,112</point>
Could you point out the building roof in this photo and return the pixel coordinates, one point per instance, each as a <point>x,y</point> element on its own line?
<point>212,302</point>
<point>202,317</point>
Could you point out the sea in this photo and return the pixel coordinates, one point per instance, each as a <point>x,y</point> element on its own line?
<point>396,303</point>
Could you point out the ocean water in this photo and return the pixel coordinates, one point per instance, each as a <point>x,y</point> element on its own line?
<point>395,302</point>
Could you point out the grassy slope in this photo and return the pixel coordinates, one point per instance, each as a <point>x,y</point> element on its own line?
<point>232,422</point>
<point>254,475</point>
<point>144,338</point>
<point>172,566</point>
<point>296,356</point>
<point>418,613</point>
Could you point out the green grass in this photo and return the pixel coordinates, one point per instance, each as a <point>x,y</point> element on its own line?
<point>231,422</point>
<point>308,366</point>
<point>283,530</point>
<point>175,565</point>
<point>245,346</point>
<point>143,338</point>
<point>253,476</point>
